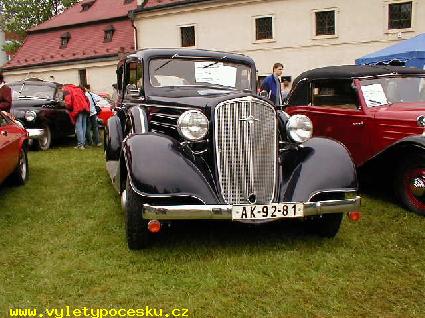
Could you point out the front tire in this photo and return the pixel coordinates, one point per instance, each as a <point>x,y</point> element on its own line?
<point>21,173</point>
<point>45,141</point>
<point>138,235</point>
<point>409,184</point>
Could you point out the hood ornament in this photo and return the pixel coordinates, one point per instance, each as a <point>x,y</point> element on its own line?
<point>250,119</point>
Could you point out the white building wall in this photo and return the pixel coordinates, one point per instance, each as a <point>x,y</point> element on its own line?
<point>100,75</point>
<point>361,28</point>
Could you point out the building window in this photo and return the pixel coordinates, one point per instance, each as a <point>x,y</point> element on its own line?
<point>65,37</point>
<point>86,5</point>
<point>400,15</point>
<point>264,28</point>
<point>83,77</point>
<point>187,36</point>
<point>109,33</point>
<point>325,23</point>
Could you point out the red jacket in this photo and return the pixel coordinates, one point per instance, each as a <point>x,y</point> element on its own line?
<point>5,98</point>
<point>75,100</point>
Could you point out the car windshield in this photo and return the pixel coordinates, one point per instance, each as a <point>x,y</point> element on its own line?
<point>390,90</point>
<point>203,73</point>
<point>25,90</point>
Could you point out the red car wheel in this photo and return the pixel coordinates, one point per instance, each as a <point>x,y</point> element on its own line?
<point>411,184</point>
<point>414,184</point>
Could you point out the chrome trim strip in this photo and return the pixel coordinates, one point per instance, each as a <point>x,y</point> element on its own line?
<point>224,212</point>
<point>35,133</point>
<point>165,125</point>
<point>143,120</point>
<point>352,191</point>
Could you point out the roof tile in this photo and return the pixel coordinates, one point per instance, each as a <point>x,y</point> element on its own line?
<point>85,42</point>
<point>100,10</point>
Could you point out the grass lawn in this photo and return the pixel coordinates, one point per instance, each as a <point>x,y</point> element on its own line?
<point>62,244</point>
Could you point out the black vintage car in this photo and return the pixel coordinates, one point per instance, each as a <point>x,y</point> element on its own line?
<point>190,140</point>
<point>39,106</point>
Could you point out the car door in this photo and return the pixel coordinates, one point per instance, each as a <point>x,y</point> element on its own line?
<point>9,147</point>
<point>334,108</point>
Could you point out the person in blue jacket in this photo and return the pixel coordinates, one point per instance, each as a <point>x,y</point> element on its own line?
<point>271,84</point>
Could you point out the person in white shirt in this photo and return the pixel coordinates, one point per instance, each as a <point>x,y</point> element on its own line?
<point>92,133</point>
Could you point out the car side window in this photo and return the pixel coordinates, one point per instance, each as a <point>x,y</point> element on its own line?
<point>133,77</point>
<point>335,94</point>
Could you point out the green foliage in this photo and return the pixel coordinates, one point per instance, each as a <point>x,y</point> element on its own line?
<point>19,16</point>
<point>11,46</point>
<point>62,243</point>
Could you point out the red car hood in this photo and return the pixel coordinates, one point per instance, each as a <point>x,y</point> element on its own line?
<point>401,111</point>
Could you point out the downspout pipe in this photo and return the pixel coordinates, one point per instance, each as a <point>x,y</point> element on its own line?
<point>132,17</point>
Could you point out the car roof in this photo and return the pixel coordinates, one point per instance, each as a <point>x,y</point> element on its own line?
<point>355,71</point>
<point>167,53</point>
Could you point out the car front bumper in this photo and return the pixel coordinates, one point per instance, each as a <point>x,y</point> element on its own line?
<point>34,133</point>
<point>224,212</point>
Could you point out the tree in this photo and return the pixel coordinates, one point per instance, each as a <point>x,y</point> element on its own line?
<point>19,16</point>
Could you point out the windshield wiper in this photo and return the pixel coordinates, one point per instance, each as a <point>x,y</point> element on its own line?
<point>166,63</point>
<point>214,63</point>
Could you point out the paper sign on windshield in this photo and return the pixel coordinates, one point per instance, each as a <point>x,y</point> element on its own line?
<point>374,95</point>
<point>216,74</point>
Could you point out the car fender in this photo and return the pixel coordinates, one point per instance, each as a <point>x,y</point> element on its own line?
<point>319,165</point>
<point>416,141</point>
<point>158,166</point>
<point>113,138</point>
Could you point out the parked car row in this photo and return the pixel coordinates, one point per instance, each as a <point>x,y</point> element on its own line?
<point>190,139</point>
<point>39,106</point>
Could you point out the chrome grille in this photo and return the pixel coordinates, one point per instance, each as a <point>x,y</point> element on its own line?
<point>245,141</point>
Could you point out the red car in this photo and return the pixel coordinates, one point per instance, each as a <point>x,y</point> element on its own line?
<point>378,113</point>
<point>106,106</point>
<point>13,150</point>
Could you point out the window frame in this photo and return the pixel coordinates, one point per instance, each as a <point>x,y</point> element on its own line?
<point>314,35</point>
<point>180,27</point>
<point>386,19</point>
<point>254,29</point>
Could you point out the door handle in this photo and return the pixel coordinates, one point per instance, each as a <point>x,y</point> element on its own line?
<point>360,123</point>
<point>3,132</point>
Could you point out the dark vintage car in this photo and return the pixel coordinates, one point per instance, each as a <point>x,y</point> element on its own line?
<point>39,106</point>
<point>190,140</point>
<point>378,113</point>
<point>13,150</point>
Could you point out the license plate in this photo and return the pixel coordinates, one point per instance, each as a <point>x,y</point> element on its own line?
<point>270,211</point>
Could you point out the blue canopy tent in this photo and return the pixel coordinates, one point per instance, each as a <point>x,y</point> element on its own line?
<point>409,53</point>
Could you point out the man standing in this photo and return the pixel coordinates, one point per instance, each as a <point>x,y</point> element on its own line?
<point>271,84</point>
<point>5,95</point>
<point>92,134</point>
<point>78,105</point>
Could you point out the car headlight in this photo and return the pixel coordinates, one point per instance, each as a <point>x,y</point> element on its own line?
<point>30,115</point>
<point>299,128</point>
<point>193,125</point>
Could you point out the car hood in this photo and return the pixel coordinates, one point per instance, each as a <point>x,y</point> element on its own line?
<point>199,99</point>
<point>400,111</point>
